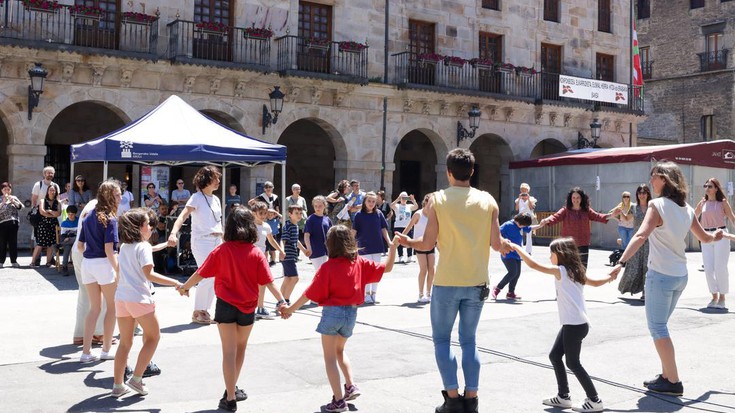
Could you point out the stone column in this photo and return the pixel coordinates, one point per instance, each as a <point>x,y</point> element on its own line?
<point>25,167</point>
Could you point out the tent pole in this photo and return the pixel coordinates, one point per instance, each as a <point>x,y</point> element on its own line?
<point>284,211</point>
<point>71,176</point>
<point>224,193</point>
<point>104,172</point>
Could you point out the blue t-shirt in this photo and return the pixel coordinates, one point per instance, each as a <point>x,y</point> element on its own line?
<point>369,228</point>
<point>274,225</point>
<point>96,236</point>
<point>514,234</point>
<point>317,226</point>
<point>358,201</point>
<point>290,238</point>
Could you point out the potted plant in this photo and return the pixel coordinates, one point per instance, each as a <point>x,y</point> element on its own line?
<point>318,43</point>
<point>506,68</point>
<point>132,17</point>
<point>525,71</point>
<point>480,63</point>
<point>351,47</point>
<point>81,11</point>
<point>212,27</point>
<point>42,5</point>
<point>454,61</point>
<point>429,58</point>
<point>257,33</point>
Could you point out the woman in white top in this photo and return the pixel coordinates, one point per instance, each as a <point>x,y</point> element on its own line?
<point>714,210</point>
<point>403,211</point>
<point>425,258</point>
<point>570,274</point>
<point>206,234</point>
<point>667,222</point>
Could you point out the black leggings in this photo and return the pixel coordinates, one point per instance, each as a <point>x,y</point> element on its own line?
<point>584,254</point>
<point>9,241</point>
<point>511,278</point>
<point>569,344</point>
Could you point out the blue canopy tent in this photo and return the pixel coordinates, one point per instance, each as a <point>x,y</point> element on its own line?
<point>175,133</point>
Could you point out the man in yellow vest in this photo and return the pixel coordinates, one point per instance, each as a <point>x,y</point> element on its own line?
<point>464,222</point>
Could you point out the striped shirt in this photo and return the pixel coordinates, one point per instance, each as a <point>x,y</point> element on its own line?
<point>290,238</point>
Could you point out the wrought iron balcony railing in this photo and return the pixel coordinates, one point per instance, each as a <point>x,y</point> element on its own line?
<point>343,61</point>
<point>234,46</point>
<point>61,26</point>
<point>713,60</point>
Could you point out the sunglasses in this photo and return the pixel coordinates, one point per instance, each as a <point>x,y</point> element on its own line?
<point>708,186</point>
<point>179,183</point>
<point>81,180</point>
<point>626,196</point>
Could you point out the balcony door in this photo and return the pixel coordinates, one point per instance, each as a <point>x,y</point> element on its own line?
<point>421,40</point>
<point>491,48</point>
<point>314,43</point>
<point>551,69</point>
<point>715,57</point>
<point>97,30</point>
<point>605,67</point>
<point>210,44</point>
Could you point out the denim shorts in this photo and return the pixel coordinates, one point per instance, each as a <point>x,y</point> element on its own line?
<point>337,320</point>
<point>662,294</point>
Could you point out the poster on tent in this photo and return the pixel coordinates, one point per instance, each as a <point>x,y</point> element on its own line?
<point>159,176</point>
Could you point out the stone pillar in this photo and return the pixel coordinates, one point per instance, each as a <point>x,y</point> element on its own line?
<point>441,175</point>
<point>367,172</point>
<point>25,167</point>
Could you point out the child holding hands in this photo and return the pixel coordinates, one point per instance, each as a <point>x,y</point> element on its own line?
<point>570,279</point>
<point>238,267</point>
<point>134,296</point>
<point>339,286</point>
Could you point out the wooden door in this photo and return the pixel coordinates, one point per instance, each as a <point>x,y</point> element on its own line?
<point>93,30</point>
<point>421,40</point>
<point>211,45</point>
<point>491,48</point>
<point>315,23</point>
<point>551,69</point>
<point>605,67</point>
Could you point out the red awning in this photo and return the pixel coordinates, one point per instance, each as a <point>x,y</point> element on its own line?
<point>717,154</point>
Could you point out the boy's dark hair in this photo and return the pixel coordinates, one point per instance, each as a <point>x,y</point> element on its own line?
<point>292,208</point>
<point>341,243</point>
<point>205,176</point>
<point>460,163</point>
<point>259,206</point>
<point>72,209</point>
<point>129,223</point>
<point>525,219</point>
<point>240,226</point>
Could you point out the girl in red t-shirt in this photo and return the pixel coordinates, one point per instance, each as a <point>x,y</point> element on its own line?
<point>238,268</point>
<point>339,286</point>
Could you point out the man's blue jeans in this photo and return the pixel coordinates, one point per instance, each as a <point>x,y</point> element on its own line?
<point>446,303</point>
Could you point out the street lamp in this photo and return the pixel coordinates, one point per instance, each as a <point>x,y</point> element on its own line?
<point>276,98</point>
<point>595,128</point>
<point>37,74</point>
<point>463,133</point>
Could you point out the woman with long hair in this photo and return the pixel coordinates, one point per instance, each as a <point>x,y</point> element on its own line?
<point>337,200</point>
<point>668,220</point>
<point>206,234</point>
<point>50,209</point>
<point>714,211</point>
<point>370,229</point>
<point>80,195</point>
<point>575,219</point>
<point>98,240</point>
<point>634,277</point>
<point>425,258</point>
<point>624,215</point>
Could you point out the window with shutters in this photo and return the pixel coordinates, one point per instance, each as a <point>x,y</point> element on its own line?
<point>315,22</point>
<point>214,11</point>
<point>552,10</point>
<point>605,67</point>
<point>551,58</point>
<point>708,127</point>
<point>100,32</point>
<point>421,40</point>
<point>646,62</point>
<point>491,46</point>
<point>491,4</point>
<point>643,9</point>
<point>209,45</point>
<point>604,16</point>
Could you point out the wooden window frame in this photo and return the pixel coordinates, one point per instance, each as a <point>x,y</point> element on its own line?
<point>211,17</point>
<point>414,42</point>
<point>643,9</point>
<point>696,4</point>
<point>707,126</point>
<point>549,46</point>
<point>610,69</point>
<point>604,16</point>
<point>552,10</point>
<point>491,4</point>
<point>483,52</point>
<point>330,21</point>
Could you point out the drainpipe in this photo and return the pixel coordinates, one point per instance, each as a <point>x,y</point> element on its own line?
<point>385,46</point>
<point>385,99</point>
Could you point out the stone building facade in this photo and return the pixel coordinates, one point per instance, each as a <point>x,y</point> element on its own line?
<point>109,68</point>
<point>687,59</point>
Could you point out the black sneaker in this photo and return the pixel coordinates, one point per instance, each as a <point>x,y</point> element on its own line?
<point>128,374</point>
<point>240,395</point>
<point>451,405</point>
<point>656,379</point>
<point>229,405</point>
<point>151,370</point>
<point>667,387</point>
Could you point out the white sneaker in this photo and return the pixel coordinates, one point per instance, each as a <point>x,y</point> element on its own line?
<point>400,259</point>
<point>105,355</point>
<point>373,300</point>
<point>589,406</point>
<point>558,401</point>
<point>712,304</point>
<point>421,298</point>
<point>721,304</point>
<point>424,299</point>
<point>428,298</point>
<point>138,386</point>
<point>88,358</point>
<point>368,299</point>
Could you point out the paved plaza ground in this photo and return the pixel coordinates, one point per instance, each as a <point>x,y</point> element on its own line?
<point>391,351</point>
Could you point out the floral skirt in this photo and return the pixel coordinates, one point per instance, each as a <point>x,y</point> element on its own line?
<point>634,278</point>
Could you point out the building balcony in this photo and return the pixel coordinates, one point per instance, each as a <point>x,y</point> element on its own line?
<point>95,32</point>
<point>329,60</point>
<point>713,60</point>
<point>234,47</point>
<point>647,69</point>
<point>444,76</point>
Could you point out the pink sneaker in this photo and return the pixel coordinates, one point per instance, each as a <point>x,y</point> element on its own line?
<point>351,392</point>
<point>495,292</point>
<point>336,406</point>
<point>512,296</point>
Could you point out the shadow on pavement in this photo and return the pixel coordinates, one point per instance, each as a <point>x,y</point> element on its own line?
<point>414,304</point>
<point>706,310</point>
<point>182,327</point>
<point>59,281</point>
<point>659,403</point>
<point>635,302</point>
<point>107,403</point>
<point>58,352</point>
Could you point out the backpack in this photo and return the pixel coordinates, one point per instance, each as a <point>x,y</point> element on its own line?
<point>615,257</point>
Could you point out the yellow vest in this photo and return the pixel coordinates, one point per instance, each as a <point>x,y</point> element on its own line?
<point>465,217</point>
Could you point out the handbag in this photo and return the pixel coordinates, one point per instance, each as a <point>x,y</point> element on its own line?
<point>34,216</point>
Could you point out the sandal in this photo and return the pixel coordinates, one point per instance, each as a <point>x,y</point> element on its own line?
<point>97,340</point>
<point>78,341</point>
<point>201,317</point>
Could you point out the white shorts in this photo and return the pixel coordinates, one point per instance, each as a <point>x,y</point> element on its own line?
<point>97,270</point>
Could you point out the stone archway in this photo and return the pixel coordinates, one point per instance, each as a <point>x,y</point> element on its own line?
<point>78,123</point>
<point>548,146</point>
<point>415,162</point>
<point>223,119</point>
<point>4,142</point>
<point>233,173</point>
<point>313,148</point>
<point>492,156</point>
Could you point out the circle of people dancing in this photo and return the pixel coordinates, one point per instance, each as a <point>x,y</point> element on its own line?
<point>346,239</point>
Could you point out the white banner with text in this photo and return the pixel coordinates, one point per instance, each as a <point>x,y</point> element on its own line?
<point>591,89</point>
